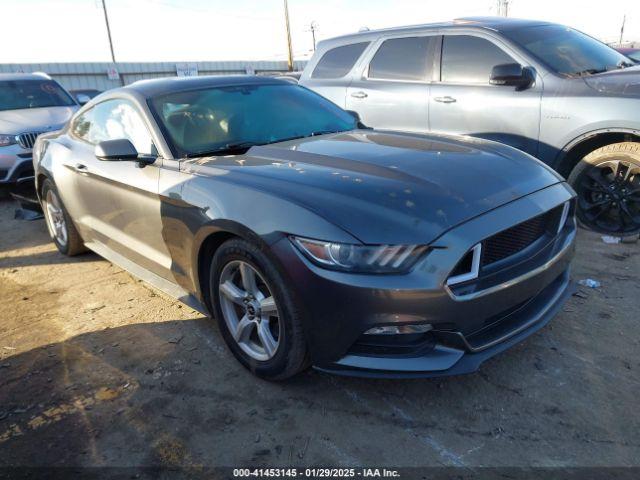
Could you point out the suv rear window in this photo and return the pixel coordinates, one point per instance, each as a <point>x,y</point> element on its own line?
<point>467,59</point>
<point>337,62</point>
<point>402,59</point>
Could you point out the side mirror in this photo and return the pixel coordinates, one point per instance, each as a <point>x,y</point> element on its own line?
<point>121,149</point>
<point>115,150</point>
<point>511,75</point>
<point>83,99</point>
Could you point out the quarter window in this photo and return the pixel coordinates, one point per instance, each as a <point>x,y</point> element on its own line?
<point>82,125</point>
<point>111,120</point>
<point>467,59</point>
<point>402,59</point>
<point>336,63</point>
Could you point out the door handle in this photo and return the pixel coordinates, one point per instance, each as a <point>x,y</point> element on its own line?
<point>359,95</point>
<point>446,99</point>
<point>80,168</point>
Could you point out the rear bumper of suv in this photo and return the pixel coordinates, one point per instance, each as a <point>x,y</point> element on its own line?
<point>468,325</point>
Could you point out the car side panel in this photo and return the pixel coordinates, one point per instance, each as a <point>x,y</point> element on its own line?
<point>570,110</point>
<point>499,113</point>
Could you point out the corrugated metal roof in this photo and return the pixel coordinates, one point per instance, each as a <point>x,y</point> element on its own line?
<point>94,74</point>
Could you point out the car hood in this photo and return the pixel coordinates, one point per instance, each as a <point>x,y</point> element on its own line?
<point>34,119</point>
<point>386,187</point>
<point>625,82</point>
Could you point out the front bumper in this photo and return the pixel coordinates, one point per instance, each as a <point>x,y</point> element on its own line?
<point>468,329</point>
<point>17,175</point>
<point>16,163</point>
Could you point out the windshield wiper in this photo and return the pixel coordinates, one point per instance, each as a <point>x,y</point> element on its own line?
<point>307,135</point>
<point>241,147</point>
<point>589,71</point>
<point>229,148</point>
<point>624,64</point>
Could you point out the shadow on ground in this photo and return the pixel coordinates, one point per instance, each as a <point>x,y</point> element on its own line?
<point>98,370</point>
<point>170,395</point>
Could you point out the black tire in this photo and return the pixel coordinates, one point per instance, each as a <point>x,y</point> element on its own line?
<point>607,182</point>
<point>290,356</point>
<point>73,244</point>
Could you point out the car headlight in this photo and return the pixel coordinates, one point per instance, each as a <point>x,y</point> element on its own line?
<point>6,140</point>
<point>361,258</point>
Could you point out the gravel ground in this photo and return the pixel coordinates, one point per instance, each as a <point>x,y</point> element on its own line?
<point>98,369</point>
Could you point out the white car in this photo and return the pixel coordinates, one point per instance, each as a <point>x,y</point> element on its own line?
<point>30,104</point>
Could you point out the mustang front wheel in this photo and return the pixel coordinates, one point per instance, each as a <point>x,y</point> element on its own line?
<point>256,313</point>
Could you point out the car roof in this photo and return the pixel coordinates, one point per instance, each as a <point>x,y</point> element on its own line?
<point>24,76</point>
<point>161,86</point>
<point>498,24</point>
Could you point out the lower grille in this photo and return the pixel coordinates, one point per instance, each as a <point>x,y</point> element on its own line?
<point>393,345</point>
<point>26,140</point>
<point>517,238</point>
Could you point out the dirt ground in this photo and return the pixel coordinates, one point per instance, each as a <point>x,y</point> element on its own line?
<point>98,369</point>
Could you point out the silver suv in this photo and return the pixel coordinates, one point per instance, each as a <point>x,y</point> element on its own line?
<point>30,104</point>
<point>546,89</point>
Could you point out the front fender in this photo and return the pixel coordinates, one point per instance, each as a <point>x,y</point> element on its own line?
<point>205,206</point>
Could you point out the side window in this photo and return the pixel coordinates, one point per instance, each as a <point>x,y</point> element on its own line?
<point>82,125</point>
<point>467,59</point>
<point>112,120</point>
<point>402,59</point>
<point>337,62</point>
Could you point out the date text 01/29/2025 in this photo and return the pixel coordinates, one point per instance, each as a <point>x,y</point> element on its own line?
<point>315,473</point>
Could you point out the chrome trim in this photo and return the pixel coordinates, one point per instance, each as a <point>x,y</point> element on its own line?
<point>475,267</point>
<point>514,281</point>
<point>563,218</point>
<point>27,139</point>
<point>532,321</point>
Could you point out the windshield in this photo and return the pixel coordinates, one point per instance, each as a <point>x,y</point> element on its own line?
<point>567,51</point>
<point>19,94</point>
<point>219,119</point>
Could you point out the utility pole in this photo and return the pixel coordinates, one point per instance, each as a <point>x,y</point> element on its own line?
<point>624,19</point>
<point>503,8</point>
<point>289,49</point>
<point>313,27</point>
<point>106,21</point>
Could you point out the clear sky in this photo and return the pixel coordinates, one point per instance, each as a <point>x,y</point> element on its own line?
<point>189,30</point>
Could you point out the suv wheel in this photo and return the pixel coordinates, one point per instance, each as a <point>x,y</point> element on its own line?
<point>256,312</point>
<point>607,182</point>
<point>61,228</point>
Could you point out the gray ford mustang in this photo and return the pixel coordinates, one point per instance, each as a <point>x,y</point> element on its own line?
<point>312,239</point>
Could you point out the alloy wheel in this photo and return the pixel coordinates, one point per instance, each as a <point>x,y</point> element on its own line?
<point>609,197</point>
<point>249,310</point>
<point>54,216</point>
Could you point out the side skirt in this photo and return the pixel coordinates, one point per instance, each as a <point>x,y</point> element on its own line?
<point>151,278</point>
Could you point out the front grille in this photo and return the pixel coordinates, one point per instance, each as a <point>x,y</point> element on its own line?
<point>517,238</point>
<point>26,140</point>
